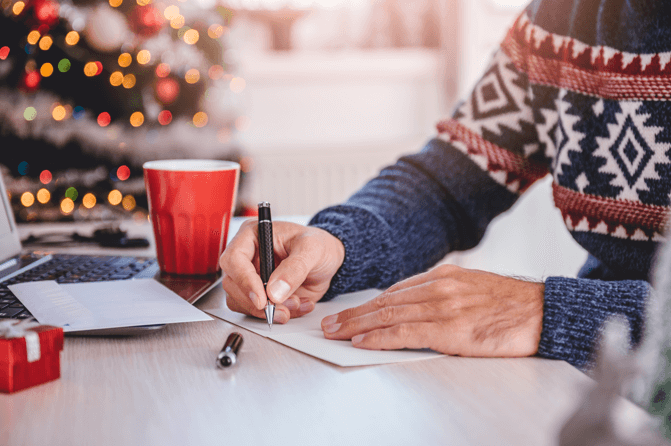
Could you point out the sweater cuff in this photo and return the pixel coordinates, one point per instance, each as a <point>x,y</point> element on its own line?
<point>575,309</point>
<point>363,267</point>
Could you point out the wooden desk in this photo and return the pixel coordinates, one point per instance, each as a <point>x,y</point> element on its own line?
<point>164,389</point>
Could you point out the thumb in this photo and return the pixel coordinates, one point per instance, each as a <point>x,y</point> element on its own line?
<point>288,277</point>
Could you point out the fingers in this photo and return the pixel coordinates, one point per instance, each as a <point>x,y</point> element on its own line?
<point>408,335</point>
<point>238,302</point>
<point>440,271</point>
<point>411,295</point>
<point>298,306</point>
<point>291,272</point>
<point>237,264</point>
<point>382,318</point>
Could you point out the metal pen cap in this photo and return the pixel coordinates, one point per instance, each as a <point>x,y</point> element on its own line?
<point>228,355</point>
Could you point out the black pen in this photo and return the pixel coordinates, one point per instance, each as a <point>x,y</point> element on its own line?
<point>229,354</point>
<point>266,254</point>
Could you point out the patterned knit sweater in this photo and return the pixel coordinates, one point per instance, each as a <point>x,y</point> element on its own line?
<point>579,90</point>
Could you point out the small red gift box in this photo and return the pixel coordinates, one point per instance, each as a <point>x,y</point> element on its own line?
<point>30,354</point>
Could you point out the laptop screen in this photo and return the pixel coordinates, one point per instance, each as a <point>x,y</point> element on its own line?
<point>9,237</point>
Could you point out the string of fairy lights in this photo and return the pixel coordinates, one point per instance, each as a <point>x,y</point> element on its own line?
<point>122,74</point>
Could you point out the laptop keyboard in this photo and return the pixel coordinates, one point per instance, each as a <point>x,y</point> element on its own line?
<point>71,269</point>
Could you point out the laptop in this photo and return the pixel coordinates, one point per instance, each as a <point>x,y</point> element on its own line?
<point>19,266</point>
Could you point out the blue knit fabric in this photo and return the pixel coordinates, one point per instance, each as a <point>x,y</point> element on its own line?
<point>546,104</point>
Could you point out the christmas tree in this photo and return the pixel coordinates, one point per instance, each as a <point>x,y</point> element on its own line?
<point>89,90</point>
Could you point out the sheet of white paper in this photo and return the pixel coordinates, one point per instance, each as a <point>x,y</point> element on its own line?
<point>305,334</point>
<point>98,305</point>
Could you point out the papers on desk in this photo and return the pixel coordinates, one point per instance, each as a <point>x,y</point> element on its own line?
<point>304,334</point>
<point>100,305</point>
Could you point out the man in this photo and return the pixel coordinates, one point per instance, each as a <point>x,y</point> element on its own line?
<point>578,89</point>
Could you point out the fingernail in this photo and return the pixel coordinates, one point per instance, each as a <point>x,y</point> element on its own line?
<point>330,320</point>
<point>291,304</point>
<point>279,290</point>
<point>356,339</point>
<point>305,307</point>
<point>332,328</point>
<point>253,297</point>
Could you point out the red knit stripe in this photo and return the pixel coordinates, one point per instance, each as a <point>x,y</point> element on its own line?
<point>612,212</point>
<point>517,167</point>
<point>547,65</point>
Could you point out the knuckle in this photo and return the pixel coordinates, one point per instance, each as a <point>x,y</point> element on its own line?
<point>386,315</point>
<point>381,300</point>
<point>446,269</point>
<point>402,331</point>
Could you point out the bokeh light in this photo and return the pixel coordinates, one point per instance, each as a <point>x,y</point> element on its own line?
<point>89,200</point>
<point>67,206</point>
<point>167,90</point>
<point>216,72</point>
<point>143,57</point>
<point>71,193</point>
<point>115,3</point>
<point>23,168</point>
<point>72,38</point>
<point>162,70</point>
<point>114,197</point>
<point>27,199</point>
<point>78,112</point>
<point>191,36</point>
<point>43,196</point>
<point>171,12</point>
<point>143,2</point>
<point>32,80</point>
<point>45,177</point>
<point>123,173</point>
<point>128,202</point>
<point>215,31</point>
<point>165,117</point>
<point>177,22</point>
<point>200,119</point>
<point>116,78</point>
<point>128,81</point>
<point>58,113</point>
<point>4,52</point>
<point>30,66</point>
<point>45,43</point>
<point>46,11</point>
<point>33,37</point>
<point>237,84</point>
<point>29,113</point>
<point>90,69</point>
<point>64,65</point>
<point>125,59</point>
<point>136,119</point>
<point>192,76</point>
<point>104,119</point>
<point>18,8</point>
<point>99,65</point>
<point>46,69</point>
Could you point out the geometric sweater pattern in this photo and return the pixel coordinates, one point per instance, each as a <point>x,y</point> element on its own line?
<point>569,93</point>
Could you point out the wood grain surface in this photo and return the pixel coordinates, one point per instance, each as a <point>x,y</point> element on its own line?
<point>163,388</point>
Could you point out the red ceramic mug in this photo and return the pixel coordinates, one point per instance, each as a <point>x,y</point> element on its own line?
<point>191,203</point>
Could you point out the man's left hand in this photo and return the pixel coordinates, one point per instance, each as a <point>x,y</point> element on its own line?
<point>451,310</point>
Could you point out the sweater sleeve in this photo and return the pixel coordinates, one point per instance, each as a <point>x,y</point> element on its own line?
<point>575,309</point>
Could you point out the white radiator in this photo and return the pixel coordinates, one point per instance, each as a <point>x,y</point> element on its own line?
<point>303,182</point>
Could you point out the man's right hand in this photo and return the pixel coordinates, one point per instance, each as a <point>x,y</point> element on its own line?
<point>307,258</point>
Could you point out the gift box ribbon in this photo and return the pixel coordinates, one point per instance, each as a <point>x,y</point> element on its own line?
<point>10,329</point>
